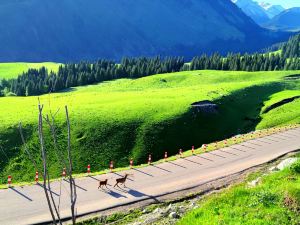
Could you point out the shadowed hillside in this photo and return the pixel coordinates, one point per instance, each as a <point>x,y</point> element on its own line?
<point>69,30</point>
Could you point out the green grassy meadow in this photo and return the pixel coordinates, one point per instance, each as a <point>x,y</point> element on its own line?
<point>12,70</point>
<point>276,200</point>
<point>126,118</point>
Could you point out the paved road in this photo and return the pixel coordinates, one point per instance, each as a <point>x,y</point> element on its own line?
<point>27,205</point>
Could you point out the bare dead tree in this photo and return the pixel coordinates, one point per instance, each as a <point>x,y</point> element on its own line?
<point>53,208</point>
<point>35,165</point>
<point>52,127</point>
<point>59,154</point>
<point>73,193</point>
<point>44,159</point>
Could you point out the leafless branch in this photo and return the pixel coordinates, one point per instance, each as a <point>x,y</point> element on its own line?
<point>59,154</point>
<point>45,173</point>
<point>26,149</point>
<point>73,194</point>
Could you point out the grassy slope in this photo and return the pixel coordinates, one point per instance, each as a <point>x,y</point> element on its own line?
<point>132,118</point>
<point>275,201</point>
<point>12,70</point>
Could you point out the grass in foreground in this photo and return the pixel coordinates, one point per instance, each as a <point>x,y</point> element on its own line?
<point>12,70</point>
<point>276,200</point>
<point>126,118</point>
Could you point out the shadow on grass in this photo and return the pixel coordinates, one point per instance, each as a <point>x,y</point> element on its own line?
<point>237,113</point>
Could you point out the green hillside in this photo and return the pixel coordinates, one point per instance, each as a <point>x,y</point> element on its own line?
<point>276,198</point>
<point>12,70</point>
<point>127,118</point>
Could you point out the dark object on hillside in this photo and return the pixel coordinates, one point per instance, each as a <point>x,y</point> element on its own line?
<point>205,106</point>
<point>281,103</point>
<point>293,77</point>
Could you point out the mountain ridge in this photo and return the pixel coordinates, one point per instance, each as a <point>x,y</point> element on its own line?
<point>287,20</point>
<point>71,30</point>
<point>260,12</point>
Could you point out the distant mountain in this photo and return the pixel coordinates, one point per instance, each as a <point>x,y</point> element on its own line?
<point>287,20</point>
<point>261,12</point>
<point>70,30</point>
<point>272,10</point>
<point>253,10</point>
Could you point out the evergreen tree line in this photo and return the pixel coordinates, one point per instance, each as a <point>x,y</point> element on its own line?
<point>41,81</point>
<point>291,49</point>
<point>237,62</point>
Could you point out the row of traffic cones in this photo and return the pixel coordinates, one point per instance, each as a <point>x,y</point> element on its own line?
<point>204,148</point>
<point>111,165</point>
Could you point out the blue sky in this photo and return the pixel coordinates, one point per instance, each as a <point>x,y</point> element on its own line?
<point>284,3</point>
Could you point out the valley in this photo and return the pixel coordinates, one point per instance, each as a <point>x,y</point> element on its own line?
<point>147,115</point>
<point>178,99</point>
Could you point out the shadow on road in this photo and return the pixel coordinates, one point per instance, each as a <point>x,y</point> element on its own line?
<point>230,153</point>
<point>42,186</point>
<point>21,194</point>
<point>246,146</point>
<point>121,176</point>
<point>237,149</point>
<point>161,168</point>
<point>202,157</point>
<point>77,186</point>
<point>192,161</point>
<point>112,193</point>
<point>137,194</point>
<point>216,155</point>
<point>175,164</point>
<point>148,174</point>
<point>93,178</point>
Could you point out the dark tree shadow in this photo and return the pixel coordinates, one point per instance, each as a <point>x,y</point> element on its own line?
<point>128,178</point>
<point>137,194</point>
<point>42,186</point>
<point>158,167</point>
<point>230,153</point>
<point>192,161</point>
<point>21,194</point>
<point>140,171</point>
<point>175,164</point>
<point>238,112</point>
<point>202,157</point>
<point>237,149</point>
<point>81,188</point>
<point>112,193</point>
<point>213,153</point>
<point>93,178</point>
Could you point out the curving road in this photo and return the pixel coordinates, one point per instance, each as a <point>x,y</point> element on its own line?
<point>27,205</point>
